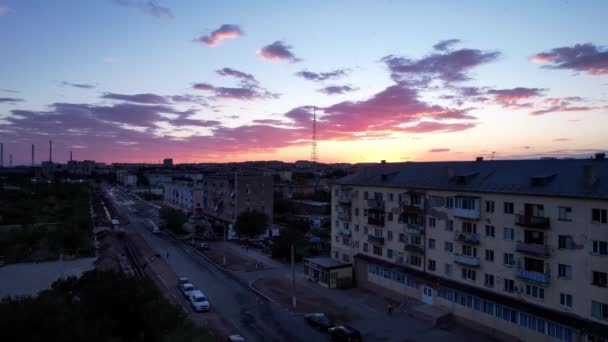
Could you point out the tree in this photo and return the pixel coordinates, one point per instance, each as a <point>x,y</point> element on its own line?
<point>293,233</point>
<point>251,223</point>
<point>174,219</point>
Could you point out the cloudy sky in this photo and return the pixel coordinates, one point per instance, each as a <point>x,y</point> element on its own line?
<point>214,81</point>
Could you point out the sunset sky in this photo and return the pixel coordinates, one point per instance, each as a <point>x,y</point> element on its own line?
<point>215,81</point>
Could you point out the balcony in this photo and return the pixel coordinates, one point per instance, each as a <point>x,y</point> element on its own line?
<point>466,260</point>
<point>470,238</point>
<point>472,214</point>
<point>414,229</point>
<point>536,277</point>
<point>532,221</point>
<point>375,220</point>
<point>376,240</point>
<point>345,232</point>
<point>533,248</point>
<point>374,203</point>
<point>410,247</point>
<point>344,216</point>
<point>345,198</point>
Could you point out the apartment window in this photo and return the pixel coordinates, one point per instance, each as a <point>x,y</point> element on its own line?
<point>564,271</point>
<point>389,253</point>
<point>469,251</point>
<point>565,214</point>
<point>378,232</point>
<point>377,250</point>
<point>389,235</point>
<point>415,260</point>
<point>565,300</point>
<point>416,240</point>
<point>509,285</point>
<point>356,228</point>
<point>449,202</point>
<point>489,255</point>
<point>599,310</point>
<point>469,227</point>
<point>365,230</point>
<point>535,292</point>
<point>508,259</point>
<point>509,234</point>
<point>365,195</point>
<point>599,215</point>
<point>391,196</point>
<point>565,242</point>
<point>432,222</point>
<point>600,279</point>
<point>600,247</point>
<point>365,247</point>
<point>432,265</point>
<point>337,238</point>
<point>489,280</point>
<point>390,216</point>
<point>337,224</point>
<point>346,258</point>
<point>448,269</point>
<point>489,206</point>
<point>449,225</point>
<point>508,207</point>
<point>431,243</point>
<point>364,212</point>
<point>356,211</point>
<point>448,247</point>
<point>468,274</point>
<point>490,231</point>
<point>402,237</point>
<point>337,255</point>
<point>357,244</point>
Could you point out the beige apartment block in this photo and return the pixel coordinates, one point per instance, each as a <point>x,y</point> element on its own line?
<point>519,247</point>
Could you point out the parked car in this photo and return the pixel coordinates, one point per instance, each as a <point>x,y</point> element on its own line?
<point>236,338</point>
<point>344,333</point>
<point>187,289</point>
<point>319,320</point>
<point>183,280</point>
<point>198,301</point>
<point>203,246</point>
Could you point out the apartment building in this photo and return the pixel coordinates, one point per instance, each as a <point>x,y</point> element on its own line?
<point>183,195</point>
<point>226,196</point>
<point>519,247</point>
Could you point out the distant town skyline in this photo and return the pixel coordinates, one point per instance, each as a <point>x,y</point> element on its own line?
<point>140,81</point>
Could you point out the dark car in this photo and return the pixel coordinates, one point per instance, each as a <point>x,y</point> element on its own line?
<point>344,333</point>
<point>319,320</point>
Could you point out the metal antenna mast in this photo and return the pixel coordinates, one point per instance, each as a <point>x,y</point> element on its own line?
<point>313,154</point>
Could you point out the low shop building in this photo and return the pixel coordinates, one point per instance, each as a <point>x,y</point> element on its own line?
<point>328,272</point>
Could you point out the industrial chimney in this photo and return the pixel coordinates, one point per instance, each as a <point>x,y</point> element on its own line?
<point>32,155</point>
<point>51,151</point>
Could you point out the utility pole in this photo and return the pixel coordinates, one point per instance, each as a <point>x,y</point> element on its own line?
<point>293,276</point>
<point>32,155</point>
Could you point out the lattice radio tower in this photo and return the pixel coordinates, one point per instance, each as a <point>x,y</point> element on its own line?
<point>313,152</point>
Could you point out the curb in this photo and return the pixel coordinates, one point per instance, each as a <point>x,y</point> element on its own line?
<point>286,308</point>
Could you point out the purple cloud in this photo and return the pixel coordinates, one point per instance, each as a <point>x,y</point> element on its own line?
<point>9,91</point>
<point>247,92</point>
<point>562,104</point>
<point>337,90</point>
<point>587,58</point>
<point>322,76</point>
<point>513,97</point>
<point>226,31</point>
<point>237,74</point>
<point>10,100</point>
<point>278,51</point>
<point>439,150</point>
<point>445,44</point>
<point>5,10</point>
<point>149,7</point>
<point>78,85</point>
<point>137,98</point>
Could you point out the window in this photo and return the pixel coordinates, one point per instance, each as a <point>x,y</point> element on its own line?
<point>600,279</point>
<point>337,238</point>
<point>489,280</point>
<point>489,255</point>
<point>365,247</point>
<point>449,225</point>
<point>565,214</point>
<point>599,310</point>
<point>448,269</point>
<point>356,244</point>
<point>535,292</point>
<point>599,215</point>
<point>490,231</point>
<point>377,250</point>
<point>448,247</point>
<point>390,216</point>
<point>508,207</point>
<point>468,274</point>
<point>402,237</point>
<point>489,206</point>
<point>356,211</point>
<point>336,255</point>
<point>469,227</point>
<point>346,258</point>
<point>600,247</point>
<point>509,234</point>
<point>469,251</point>
<point>364,212</point>
<point>391,196</point>
<point>509,285</point>
<point>449,202</point>
<point>389,253</point>
<point>364,229</point>
<point>389,235</point>
<point>564,271</point>
<point>356,228</point>
<point>432,265</point>
<point>565,300</point>
<point>465,203</point>
<point>365,195</point>
<point>509,259</point>
<point>431,243</point>
<point>415,260</point>
<point>565,242</point>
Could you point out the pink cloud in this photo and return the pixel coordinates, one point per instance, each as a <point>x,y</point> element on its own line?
<point>278,51</point>
<point>226,31</point>
<point>439,150</point>
<point>587,58</point>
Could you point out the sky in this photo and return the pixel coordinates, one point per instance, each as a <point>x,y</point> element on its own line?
<point>218,81</point>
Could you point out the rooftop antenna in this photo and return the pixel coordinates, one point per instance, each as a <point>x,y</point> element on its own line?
<point>313,153</point>
<point>493,153</point>
<point>51,151</point>
<point>32,155</point>
<point>70,155</point>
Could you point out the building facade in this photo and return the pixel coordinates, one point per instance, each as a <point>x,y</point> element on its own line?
<point>183,195</point>
<point>516,246</point>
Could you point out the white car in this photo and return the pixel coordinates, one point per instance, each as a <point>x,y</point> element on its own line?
<point>198,301</point>
<point>186,289</point>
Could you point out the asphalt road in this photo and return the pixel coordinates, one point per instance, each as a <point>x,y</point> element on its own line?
<point>255,318</point>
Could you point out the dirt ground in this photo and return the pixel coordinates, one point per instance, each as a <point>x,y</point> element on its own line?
<point>279,289</point>
<point>234,262</point>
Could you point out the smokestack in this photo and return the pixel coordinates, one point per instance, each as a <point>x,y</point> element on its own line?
<point>32,155</point>
<point>51,151</point>
<point>1,155</point>
<point>70,155</point>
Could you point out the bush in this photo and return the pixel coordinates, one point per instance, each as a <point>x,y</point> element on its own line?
<point>174,219</point>
<point>251,223</point>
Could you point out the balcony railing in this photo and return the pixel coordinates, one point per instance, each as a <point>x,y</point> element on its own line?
<point>346,199</point>
<point>376,221</point>
<point>532,221</point>
<point>345,216</point>
<point>473,214</point>
<point>410,247</point>
<point>345,232</point>
<point>537,277</point>
<point>377,240</point>
<point>471,238</point>
<point>414,229</point>
<point>466,260</point>
<point>533,248</point>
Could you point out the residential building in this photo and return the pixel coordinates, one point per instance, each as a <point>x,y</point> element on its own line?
<point>520,247</point>
<point>184,195</point>
<point>158,179</point>
<point>168,162</point>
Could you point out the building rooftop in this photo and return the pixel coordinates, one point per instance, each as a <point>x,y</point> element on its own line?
<point>585,178</point>
<point>312,203</point>
<point>326,262</point>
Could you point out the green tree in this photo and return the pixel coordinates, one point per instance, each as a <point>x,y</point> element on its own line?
<point>174,219</point>
<point>251,223</point>
<point>293,233</point>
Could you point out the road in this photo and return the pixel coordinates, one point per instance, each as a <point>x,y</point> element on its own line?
<point>255,318</point>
